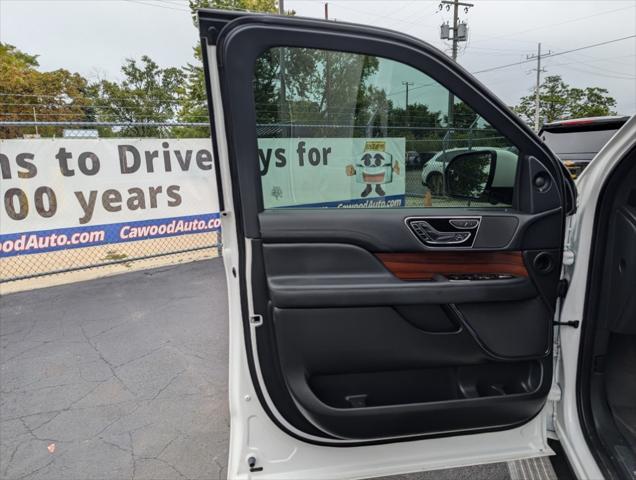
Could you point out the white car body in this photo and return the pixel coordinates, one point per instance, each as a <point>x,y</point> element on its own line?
<point>578,250</point>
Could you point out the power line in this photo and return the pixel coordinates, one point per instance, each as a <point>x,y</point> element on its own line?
<point>593,59</point>
<point>588,64</point>
<point>555,54</point>
<point>554,24</point>
<point>592,72</point>
<point>382,16</point>
<point>140,2</point>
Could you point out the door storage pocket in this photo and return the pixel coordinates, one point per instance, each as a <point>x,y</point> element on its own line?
<point>373,389</point>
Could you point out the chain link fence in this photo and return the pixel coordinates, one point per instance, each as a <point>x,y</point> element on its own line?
<point>192,240</point>
<point>428,150</point>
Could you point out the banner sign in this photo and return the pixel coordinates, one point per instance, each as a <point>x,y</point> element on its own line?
<point>71,193</point>
<point>332,172</point>
<point>79,237</point>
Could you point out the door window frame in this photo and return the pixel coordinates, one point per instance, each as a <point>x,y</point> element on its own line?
<point>245,39</point>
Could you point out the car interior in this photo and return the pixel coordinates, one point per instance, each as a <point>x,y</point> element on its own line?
<point>607,374</point>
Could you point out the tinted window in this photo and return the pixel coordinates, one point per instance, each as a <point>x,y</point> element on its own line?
<point>589,142</point>
<point>345,130</point>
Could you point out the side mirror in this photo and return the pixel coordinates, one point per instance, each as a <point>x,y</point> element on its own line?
<point>469,175</point>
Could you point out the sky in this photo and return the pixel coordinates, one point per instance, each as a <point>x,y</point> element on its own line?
<point>94,37</point>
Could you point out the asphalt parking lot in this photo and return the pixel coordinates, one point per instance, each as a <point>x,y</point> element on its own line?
<point>126,378</point>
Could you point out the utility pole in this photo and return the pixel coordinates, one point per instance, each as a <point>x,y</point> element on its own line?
<point>327,73</point>
<point>460,34</point>
<point>35,119</point>
<point>406,101</point>
<point>537,88</point>
<point>282,107</point>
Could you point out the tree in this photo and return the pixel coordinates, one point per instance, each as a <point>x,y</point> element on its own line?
<point>264,6</point>
<point>195,107</point>
<point>321,87</point>
<point>463,116</point>
<point>591,102</point>
<point>560,101</point>
<point>29,94</point>
<point>147,93</point>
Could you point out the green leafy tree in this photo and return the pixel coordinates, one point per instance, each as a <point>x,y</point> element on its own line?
<point>560,101</point>
<point>265,6</point>
<point>26,93</point>
<point>321,87</point>
<point>147,93</point>
<point>194,105</point>
<point>591,102</point>
<point>463,116</point>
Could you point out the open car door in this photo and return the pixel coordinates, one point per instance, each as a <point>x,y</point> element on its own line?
<point>389,311</point>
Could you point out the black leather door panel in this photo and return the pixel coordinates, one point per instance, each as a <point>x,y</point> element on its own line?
<point>339,320</point>
<point>314,275</point>
<point>385,230</point>
<point>367,372</point>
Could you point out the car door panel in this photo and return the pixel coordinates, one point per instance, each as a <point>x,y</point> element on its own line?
<point>367,282</point>
<point>385,230</point>
<point>356,331</point>
<point>347,327</point>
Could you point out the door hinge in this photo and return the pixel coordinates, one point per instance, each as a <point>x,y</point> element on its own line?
<point>568,257</point>
<point>569,323</point>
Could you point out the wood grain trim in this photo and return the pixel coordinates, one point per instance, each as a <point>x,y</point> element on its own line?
<point>424,265</point>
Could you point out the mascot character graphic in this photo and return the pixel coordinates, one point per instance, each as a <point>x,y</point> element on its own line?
<point>374,168</point>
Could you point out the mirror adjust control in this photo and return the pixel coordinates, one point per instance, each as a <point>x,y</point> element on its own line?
<point>464,223</point>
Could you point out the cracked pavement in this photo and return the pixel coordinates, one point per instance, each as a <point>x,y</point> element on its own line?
<point>126,375</point>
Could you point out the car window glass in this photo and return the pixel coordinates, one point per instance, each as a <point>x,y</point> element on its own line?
<point>569,143</point>
<point>345,130</point>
